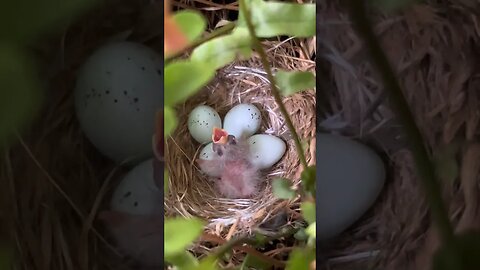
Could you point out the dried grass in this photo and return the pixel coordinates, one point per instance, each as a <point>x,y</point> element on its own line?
<point>192,193</point>
<point>433,49</point>
<point>55,181</point>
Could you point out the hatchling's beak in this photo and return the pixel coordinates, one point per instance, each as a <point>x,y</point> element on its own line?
<point>219,136</point>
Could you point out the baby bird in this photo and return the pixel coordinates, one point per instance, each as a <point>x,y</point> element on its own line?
<point>238,177</point>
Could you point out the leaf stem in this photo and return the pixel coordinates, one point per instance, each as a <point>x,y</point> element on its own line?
<point>424,165</point>
<point>218,32</point>
<point>276,94</point>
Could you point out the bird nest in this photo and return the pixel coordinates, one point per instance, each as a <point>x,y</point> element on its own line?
<point>192,194</point>
<point>431,47</point>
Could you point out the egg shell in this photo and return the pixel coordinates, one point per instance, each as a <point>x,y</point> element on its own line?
<point>207,153</point>
<point>137,193</point>
<point>118,91</point>
<point>266,150</point>
<point>201,122</point>
<point>350,178</point>
<point>242,120</point>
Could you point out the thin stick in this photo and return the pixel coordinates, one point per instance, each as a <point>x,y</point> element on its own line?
<point>64,194</point>
<point>424,166</point>
<point>276,94</point>
<point>220,31</point>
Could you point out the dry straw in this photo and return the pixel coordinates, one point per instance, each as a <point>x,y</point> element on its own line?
<point>55,182</point>
<point>433,48</point>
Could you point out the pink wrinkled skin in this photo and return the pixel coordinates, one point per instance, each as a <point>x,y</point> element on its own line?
<point>238,176</point>
<point>138,237</point>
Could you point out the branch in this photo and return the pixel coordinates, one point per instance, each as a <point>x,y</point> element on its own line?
<point>424,166</point>
<point>237,243</point>
<point>276,94</point>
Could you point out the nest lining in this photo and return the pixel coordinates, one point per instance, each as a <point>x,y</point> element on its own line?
<point>191,193</point>
<point>430,46</point>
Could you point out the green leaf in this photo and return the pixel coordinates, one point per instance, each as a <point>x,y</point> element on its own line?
<point>20,92</point>
<point>301,235</point>
<point>184,78</point>
<point>192,23</point>
<point>25,20</point>
<point>179,233</point>
<point>463,255</point>
<point>253,262</point>
<point>291,82</point>
<point>308,179</point>
<point>282,189</point>
<point>272,19</point>
<point>208,263</point>
<point>170,121</point>
<point>300,258</point>
<point>223,50</point>
<point>312,230</point>
<point>183,260</point>
<point>308,211</point>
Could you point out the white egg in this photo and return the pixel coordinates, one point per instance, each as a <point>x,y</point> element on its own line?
<point>266,150</point>
<point>207,153</point>
<point>137,193</point>
<point>242,120</point>
<point>118,92</point>
<point>201,122</point>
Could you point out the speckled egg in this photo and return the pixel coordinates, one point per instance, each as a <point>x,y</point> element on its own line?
<point>201,122</point>
<point>266,150</point>
<point>137,193</point>
<point>118,92</point>
<point>207,153</point>
<point>242,120</point>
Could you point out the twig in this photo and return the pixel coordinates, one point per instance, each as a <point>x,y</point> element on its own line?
<point>424,166</point>
<point>220,31</point>
<point>64,194</point>
<point>246,249</point>
<point>233,243</point>
<point>271,78</point>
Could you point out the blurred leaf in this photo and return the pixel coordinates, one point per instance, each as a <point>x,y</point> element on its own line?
<point>170,121</point>
<point>466,246</point>
<point>179,233</point>
<point>220,51</point>
<point>25,20</point>
<point>184,78</point>
<point>191,23</point>
<point>300,258</point>
<point>291,82</point>
<point>272,19</point>
<point>312,229</point>
<point>445,162</point>
<point>183,260</point>
<point>301,235</point>
<point>174,40</point>
<point>282,189</point>
<point>253,262</point>
<point>6,257</point>
<point>308,179</point>
<point>20,93</point>
<point>308,211</point>
<point>208,263</point>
